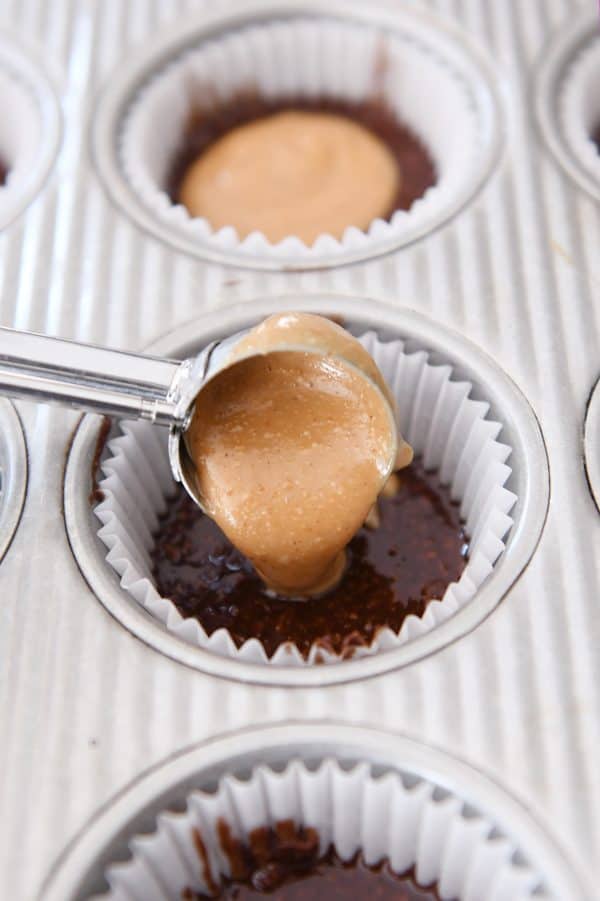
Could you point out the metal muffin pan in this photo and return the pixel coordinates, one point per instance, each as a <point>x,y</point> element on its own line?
<point>433,36</point>
<point>86,705</point>
<point>13,473</point>
<point>104,839</point>
<point>529,481</point>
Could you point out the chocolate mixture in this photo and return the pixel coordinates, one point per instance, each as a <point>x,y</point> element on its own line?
<point>3,173</point>
<point>286,861</point>
<point>596,137</point>
<point>394,571</point>
<point>207,126</point>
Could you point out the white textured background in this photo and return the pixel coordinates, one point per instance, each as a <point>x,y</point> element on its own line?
<point>84,706</point>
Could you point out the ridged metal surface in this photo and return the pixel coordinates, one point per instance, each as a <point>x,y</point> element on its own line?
<point>84,706</point>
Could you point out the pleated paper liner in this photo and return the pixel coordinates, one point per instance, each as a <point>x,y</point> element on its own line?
<point>314,59</point>
<point>448,430</point>
<point>415,825</point>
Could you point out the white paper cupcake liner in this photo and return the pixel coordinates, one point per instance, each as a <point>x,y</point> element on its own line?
<point>415,824</point>
<point>580,107</point>
<point>29,130</point>
<point>307,57</point>
<point>446,428</point>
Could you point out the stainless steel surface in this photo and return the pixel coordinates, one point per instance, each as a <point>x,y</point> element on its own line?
<point>529,481</point>
<point>87,377</point>
<point>84,705</point>
<point>104,839</point>
<point>13,474</point>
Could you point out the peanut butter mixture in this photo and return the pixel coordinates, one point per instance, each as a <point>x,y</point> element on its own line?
<point>292,444</point>
<point>293,173</point>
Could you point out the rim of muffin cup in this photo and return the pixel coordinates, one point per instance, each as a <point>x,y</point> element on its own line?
<point>362,789</point>
<point>564,103</point>
<point>529,481</point>
<point>30,127</point>
<point>450,431</point>
<point>13,473</point>
<point>580,107</point>
<point>264,47</point>
<point>591,444</point>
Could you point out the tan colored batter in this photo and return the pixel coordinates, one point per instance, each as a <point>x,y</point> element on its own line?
<point>293,173</point>
<point>293,447</point>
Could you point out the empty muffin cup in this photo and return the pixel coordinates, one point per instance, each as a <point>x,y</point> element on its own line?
<point>451,435</point>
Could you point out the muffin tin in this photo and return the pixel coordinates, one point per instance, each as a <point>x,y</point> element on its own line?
<point>499,706</point>
<point>410,802</point>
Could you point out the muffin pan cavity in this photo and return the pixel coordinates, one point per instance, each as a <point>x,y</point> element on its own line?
<point>13,473</point>
<point>30,128</point>
<point>568,100</point>
<point>362,791</point>
<point>430,80</point>
<point>462,415</point>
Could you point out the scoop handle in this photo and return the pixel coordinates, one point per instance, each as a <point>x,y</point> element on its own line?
<point>86,377</point>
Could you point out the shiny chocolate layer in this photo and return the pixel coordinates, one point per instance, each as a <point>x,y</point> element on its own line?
<point>394,570</point>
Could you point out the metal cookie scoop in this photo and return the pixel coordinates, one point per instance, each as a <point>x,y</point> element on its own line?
<point>124,385</point>
<point>113,383</point>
